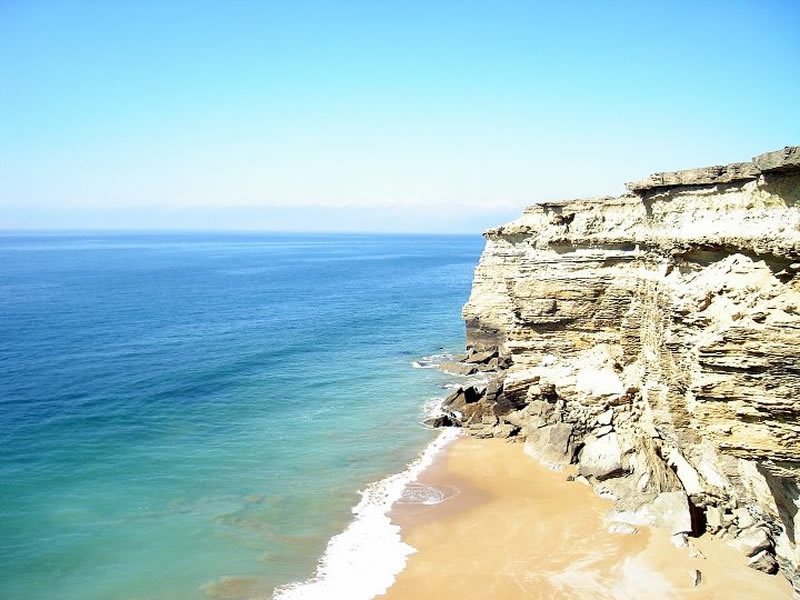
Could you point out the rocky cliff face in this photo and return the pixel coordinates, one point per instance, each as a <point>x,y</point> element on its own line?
<point>653,339</point>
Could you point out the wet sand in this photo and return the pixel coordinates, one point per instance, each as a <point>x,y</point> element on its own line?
<point>511,528</point>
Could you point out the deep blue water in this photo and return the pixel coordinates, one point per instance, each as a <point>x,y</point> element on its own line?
<point>177,409</point>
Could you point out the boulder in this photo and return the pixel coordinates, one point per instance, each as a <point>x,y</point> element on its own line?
<point>481,357</point>
<point>668,510</point>
<point>672,512</point>
<point>743,518</point>
<point>752,541</point>
<point>494,388</point>
<point>764,561</point>
<point>457,368</point>
<point>504,430</point>
<point>478,412</point>
<point>713,519</point>
<point>548,391</point>
<point>441,421</point>
<point>550,445</point>
<point>606,417</point>
<point>540,409</point>
<point>601,457</point>
<point>604,430</point>
<point>680,540</point>
<point>687,474</point>
<point>488,367</point>
<point>458,399</point>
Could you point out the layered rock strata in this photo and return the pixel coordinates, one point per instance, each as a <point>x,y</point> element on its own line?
<point>652,340</point>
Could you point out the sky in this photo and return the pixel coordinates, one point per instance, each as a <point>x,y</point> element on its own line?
<point>387,116</point>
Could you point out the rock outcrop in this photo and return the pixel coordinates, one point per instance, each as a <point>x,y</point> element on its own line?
<point>653,339</point>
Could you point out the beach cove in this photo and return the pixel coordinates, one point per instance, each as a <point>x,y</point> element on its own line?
<point>510,528</point>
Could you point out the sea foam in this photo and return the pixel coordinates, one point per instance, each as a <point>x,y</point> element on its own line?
<point>434,361</point>
<point>363,560</point>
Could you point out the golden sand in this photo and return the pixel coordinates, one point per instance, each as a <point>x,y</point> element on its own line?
<point>513,529</point>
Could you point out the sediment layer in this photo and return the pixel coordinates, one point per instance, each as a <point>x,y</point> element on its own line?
<point>652,339</point>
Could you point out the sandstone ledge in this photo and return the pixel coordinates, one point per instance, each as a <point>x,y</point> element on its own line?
<point>785,160</point>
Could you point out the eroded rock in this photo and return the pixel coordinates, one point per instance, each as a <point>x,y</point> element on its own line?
<point>551,444</point>
<point>601,458</point>
<point>459,368</point>
<point>752,541</point>
<point>668,510</point>
<point>764,561</point>
<point>696,577</point>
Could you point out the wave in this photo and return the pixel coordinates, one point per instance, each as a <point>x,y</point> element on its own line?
<point>362,561</point>
<point>433,361</point>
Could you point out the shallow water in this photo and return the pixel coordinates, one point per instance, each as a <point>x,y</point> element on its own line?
<point>191,415</point>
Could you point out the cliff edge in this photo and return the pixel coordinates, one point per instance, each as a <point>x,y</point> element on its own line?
<point>653,340</point>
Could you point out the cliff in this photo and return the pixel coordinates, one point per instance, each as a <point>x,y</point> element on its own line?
<point>652,339</point>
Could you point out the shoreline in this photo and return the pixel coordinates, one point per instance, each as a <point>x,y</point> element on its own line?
<point>511,528</point>
<point>363,560</point>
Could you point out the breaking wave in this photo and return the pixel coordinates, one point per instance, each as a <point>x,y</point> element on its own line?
<point>362,561</point>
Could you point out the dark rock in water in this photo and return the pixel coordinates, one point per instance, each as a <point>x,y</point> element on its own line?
<point>461,397</point>
<point>489,366</point>
<point>457,368</point>
<point>451,398</point>
<point>472,394</point>
<point>441,421</point>
<point>481,357</point>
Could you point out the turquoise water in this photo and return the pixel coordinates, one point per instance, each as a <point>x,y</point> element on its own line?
<point>186,416</point>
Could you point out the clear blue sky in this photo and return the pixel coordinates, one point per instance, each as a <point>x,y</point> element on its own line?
<point>385,116</point>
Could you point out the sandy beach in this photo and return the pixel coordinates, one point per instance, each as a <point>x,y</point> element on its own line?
<point>511,528</point>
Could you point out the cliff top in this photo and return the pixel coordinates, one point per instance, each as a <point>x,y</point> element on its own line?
<point>787,159</point>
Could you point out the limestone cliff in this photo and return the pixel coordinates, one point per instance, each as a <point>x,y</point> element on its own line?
<point>653,338</point>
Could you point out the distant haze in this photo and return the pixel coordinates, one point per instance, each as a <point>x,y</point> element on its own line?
<point>374,116</point>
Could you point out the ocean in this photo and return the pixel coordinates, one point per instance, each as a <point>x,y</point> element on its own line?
<point>193,416</point>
